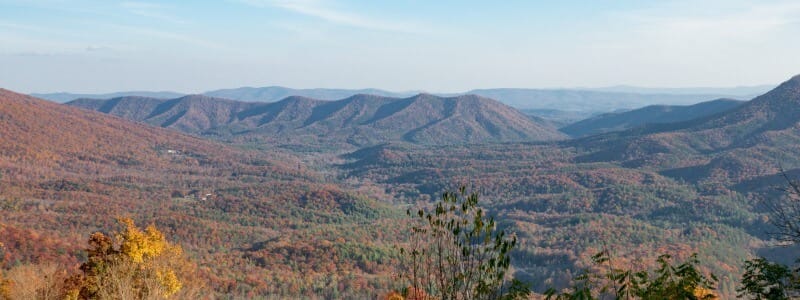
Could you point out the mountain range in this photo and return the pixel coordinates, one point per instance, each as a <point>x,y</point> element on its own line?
<point>591,100</point>
<point>358,120</point>
<point>575,101</point>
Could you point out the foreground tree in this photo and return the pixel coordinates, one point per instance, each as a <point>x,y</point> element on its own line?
<point>763,279</point>
<point>36,281</point>
<point>5,287</point>
<point>784,214</point>
<point>769,280</point>
<point>668,281</point>
<point>456,252</point>
<point>134,264</point>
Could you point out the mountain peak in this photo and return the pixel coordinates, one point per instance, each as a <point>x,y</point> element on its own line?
<point>786,94</point>
<point>776,110</point>
<point>795,78</point>
<point>791,84</point>
<point>425,96</point>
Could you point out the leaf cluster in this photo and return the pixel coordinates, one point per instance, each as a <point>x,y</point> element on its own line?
<point>457,252</point>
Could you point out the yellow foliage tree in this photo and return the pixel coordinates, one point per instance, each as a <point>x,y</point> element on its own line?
<point>5,284</point>
<point>5,288</point>
<point>135,264</point>
<point>138,245</point>
<point>704,293</point>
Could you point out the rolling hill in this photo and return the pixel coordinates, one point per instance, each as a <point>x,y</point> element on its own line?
<point>647,115</point>
<point>358,120</point>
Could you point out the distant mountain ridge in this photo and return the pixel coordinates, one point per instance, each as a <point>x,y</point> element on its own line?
<point>589,100</point>
<point>584,101</point>
<point>648,115</point>
<point>358,120</point>
<point>247,94</point>
<point>66,97</point>
<point>277,93</point>
<point>577,99</point>
<point>741,91</point>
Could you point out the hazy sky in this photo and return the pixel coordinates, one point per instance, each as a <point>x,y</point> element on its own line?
<point>438,46</point>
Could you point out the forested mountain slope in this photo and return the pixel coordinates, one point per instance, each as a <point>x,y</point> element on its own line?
<point>67,172</point>
<point>753,139</point>
<point>653,114</point>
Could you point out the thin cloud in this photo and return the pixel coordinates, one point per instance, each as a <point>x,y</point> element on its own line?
<point>160,34</point>
<point>153,11</point>
<point>323,12</point>
<point>38,53</point>
<point>26,27</point>
<point>25,40</point>
<point>749,21</point>
<point>96,48</point>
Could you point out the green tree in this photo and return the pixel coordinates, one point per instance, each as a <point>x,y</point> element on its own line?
<point>763,279</point>
<point>768,280</point>
<point>668,281</point>
<point>457,252</point>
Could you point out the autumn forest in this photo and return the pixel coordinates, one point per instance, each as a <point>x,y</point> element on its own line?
<point>202,197</point>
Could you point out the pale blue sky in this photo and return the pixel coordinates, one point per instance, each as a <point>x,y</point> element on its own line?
<point>438,46</point>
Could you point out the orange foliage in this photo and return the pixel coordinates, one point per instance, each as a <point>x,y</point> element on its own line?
<point>393,295</point>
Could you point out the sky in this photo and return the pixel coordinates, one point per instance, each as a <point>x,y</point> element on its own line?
<point>436,46</point>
